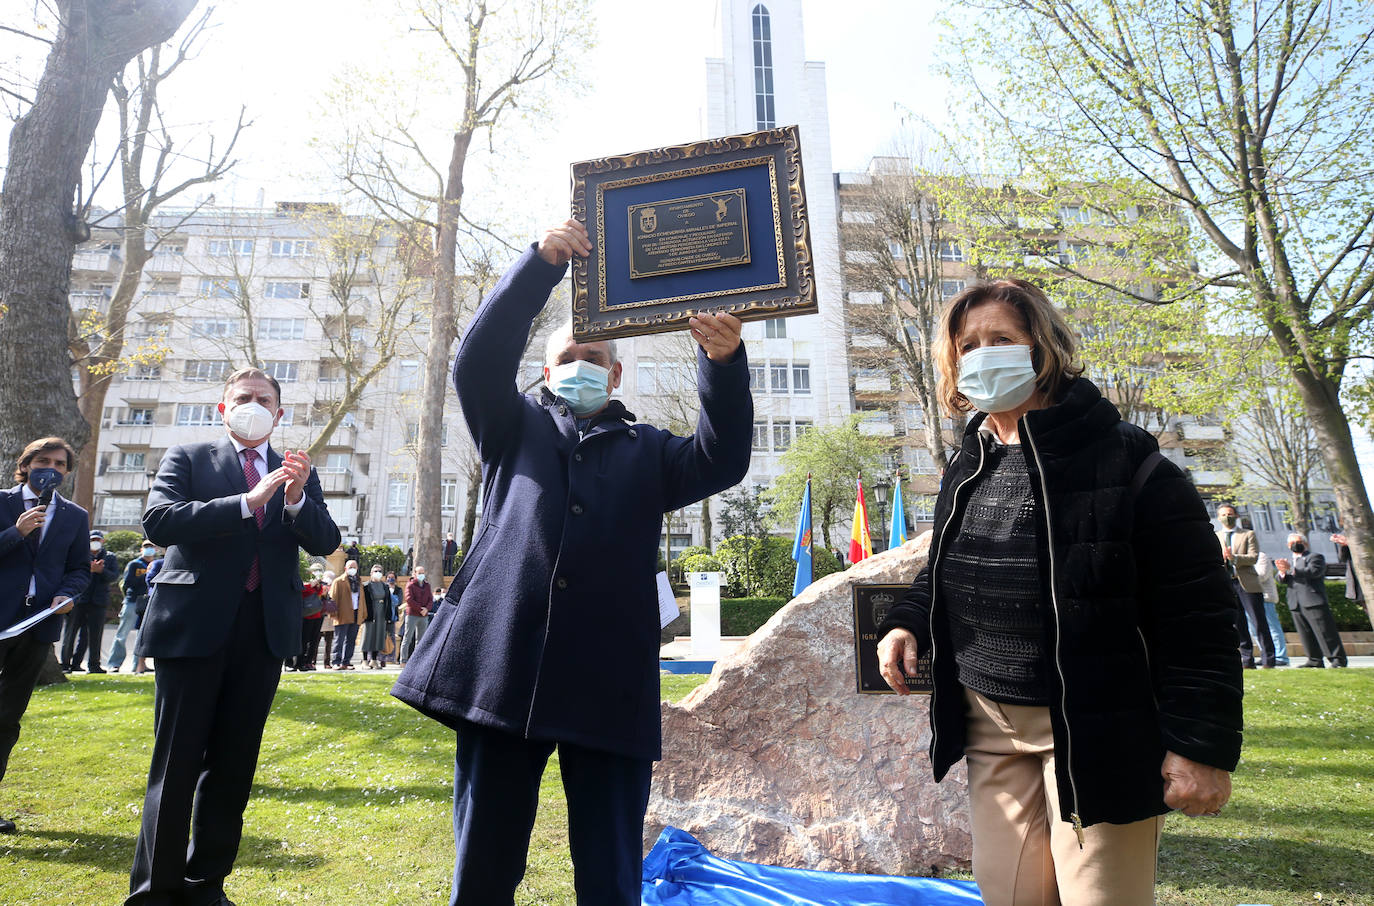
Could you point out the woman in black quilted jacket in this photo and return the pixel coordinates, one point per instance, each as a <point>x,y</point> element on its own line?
<point>1078,617</point>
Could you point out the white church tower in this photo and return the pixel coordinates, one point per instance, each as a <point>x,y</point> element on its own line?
<point>761,80</point>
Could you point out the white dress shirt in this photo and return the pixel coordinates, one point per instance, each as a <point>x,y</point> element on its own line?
<point>260,464</point>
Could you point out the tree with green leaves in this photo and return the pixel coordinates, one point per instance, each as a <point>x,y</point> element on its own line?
<point>1252,118</point>
<point>833,456</point>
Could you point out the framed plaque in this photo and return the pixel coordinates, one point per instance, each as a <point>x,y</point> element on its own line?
<point>718,225</point>
<point>871,606</point>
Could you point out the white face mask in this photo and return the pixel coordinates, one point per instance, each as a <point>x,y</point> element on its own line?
<point>251,421</point>
<point>997,378</point>
<point>420,577</point>
<point>352,571</point>
<point>376,577</point>
<point>96,546</point>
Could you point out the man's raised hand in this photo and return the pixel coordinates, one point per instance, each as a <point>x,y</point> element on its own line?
<point>559,244</point>
<point>717,334</point>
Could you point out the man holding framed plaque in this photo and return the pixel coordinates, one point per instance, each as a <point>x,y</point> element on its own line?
<point>548,636</point>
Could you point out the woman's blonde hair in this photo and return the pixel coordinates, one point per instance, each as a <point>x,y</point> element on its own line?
<point>1054,348</point>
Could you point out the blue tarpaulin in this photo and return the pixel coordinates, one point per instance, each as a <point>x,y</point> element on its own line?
<point>679,871</point>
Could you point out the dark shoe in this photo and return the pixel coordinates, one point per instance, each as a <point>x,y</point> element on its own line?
<point>95,670</point>
<point>7,826</point>
<point>1339,664</point>
<point>1249,666</point>
<point>1318,665</point>
<point>66,670</point>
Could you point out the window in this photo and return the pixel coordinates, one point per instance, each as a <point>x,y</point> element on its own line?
<point>922,463</point>
<point>288,415</point>
<point>197,414</point>
<point>136,416</point>
<point>129,462</point>
<point>217,287</point>
<point>331,372</point>
<point>775,328</point>
<point>448,494</point>
<point>1078,252</point>
<point>412,432</point>
<point>206,372</point>
<point>397,495</point>
<point>284,372</point>
<point>163,288</point>
<point>801,379</point>
<point>276,289</point>
<point>410,375</point>
<point>147,329</point>
<point>1264,518</point>
<point>677,543</point>
<point>761,436</point>
<point>281,329</point>
<point>645,378</point>
<point>121,511</point>
<point>950,288</point>
<point>292,248</point>
<point>765,114</point>
<point>214,328</point>
<point>140,371</point>
<point>782,436</point>
<point>802,425</point>
<point>1073,213</point>
<point>922,508</point>
<point>777,378</point>
<point>225,248</point>
<point>756,378</point>
<point>337,463</point>
<point>951,250</point>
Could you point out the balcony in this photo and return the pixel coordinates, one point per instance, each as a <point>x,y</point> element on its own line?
<point>165,263</point>
<point>336,482</point>
<point>1211,478</point>
<point>102,262</point>
<point>90,299</point>
<point>877,429</point>
<point>116,481</point>
<point>344,436</point>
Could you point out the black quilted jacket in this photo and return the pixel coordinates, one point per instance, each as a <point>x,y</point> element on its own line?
<point>1139,614</point>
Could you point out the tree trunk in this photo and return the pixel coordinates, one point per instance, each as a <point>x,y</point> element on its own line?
<point>1343,468</point>
<point>51,674</point>
<point>38,227</point>
<point>706,526</point>
<point>470,504</point>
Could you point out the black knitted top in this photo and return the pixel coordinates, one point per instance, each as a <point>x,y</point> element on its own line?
<point>990,585</point>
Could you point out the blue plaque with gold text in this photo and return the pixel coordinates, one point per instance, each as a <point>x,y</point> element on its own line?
<point>718,225</point>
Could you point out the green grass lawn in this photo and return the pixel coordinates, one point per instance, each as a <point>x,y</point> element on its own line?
<point>351,802</point>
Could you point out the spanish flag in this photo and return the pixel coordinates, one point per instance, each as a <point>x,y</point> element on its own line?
<point>860,542</point>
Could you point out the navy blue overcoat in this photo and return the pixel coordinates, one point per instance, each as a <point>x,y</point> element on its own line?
<point>550,629</point>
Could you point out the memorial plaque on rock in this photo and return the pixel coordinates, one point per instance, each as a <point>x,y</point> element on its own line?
<point>871,606</point>
<point>717,225</point>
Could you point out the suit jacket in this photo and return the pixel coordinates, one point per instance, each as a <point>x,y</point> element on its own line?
<point>194,512</point>
<point>1306,581</point>
<point>1246,552</point>
<point>342,594</point>
<point>62,568</point>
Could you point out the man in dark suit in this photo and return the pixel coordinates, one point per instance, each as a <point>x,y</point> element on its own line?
<point>1305,575</point>
<point>85,627</point>
<point>224,613</point>
<point>44,563</point>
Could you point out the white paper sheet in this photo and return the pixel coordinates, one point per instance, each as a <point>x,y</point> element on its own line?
<point>667,604</point>
<point>25,624</point>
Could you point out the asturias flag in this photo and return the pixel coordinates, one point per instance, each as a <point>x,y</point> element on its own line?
<point>896,536</point>
<point>801,547</point>
<point>860,541</point>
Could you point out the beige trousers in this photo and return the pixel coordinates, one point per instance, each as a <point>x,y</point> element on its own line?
<point>1024,853</point>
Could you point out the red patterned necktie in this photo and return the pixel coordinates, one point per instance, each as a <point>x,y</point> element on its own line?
<point>250,475</point>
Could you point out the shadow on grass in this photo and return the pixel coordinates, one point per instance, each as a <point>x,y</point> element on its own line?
<point>1257,862</point>
<point>115,853</point>
<point>355,795</point>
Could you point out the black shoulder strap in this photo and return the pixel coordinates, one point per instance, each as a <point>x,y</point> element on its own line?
<point>1142,474</point>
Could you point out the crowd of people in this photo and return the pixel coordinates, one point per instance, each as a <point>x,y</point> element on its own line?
<point>335,609</point>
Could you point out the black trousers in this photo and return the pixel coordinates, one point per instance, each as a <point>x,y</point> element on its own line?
<point>1317,629</point>
<point>208,719</point>
<point>83,633</point>
<point>495,796</point>
<point>1254,603</point>
<point>310,643</point>
<point>21,660</point>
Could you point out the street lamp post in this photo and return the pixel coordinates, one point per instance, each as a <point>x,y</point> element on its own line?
<point>882,491</point>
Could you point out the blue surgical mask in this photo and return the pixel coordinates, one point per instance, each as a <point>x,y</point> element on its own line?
<point>44,480</point>
<point>586,386</point>
<point>149,552</point>
<point>997,378</point>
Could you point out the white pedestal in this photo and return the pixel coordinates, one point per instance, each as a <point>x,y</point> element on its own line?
<point>705,615</point>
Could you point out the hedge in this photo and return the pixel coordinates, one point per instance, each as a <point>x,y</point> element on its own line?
<point>741,616</point>
<point>1350,617</point>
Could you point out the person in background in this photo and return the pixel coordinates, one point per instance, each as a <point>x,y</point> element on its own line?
<point>1079,623</point>
<point>352,552</point>
<point>140,660</point>
<point>392,620</point>
<point>374,627</point>
<point>350,610</point>
<point>85,629</point>
<point>1305,576</point>
<point>45,564</point>
<point>135,602</point>
<point>1269,591</point>
<point>1239,550</point>
<point>450,553</point>
<point>313,593</point>
<point>419,600</point>
<point>1352,581</point>
<point>327,621</point>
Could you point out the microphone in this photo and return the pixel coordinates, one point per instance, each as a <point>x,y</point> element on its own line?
<point>46,497</point>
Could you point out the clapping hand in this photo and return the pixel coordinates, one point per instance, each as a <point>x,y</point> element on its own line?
<point>1339,538</point>
<point>296,464</point>
<point>1283,566</point>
